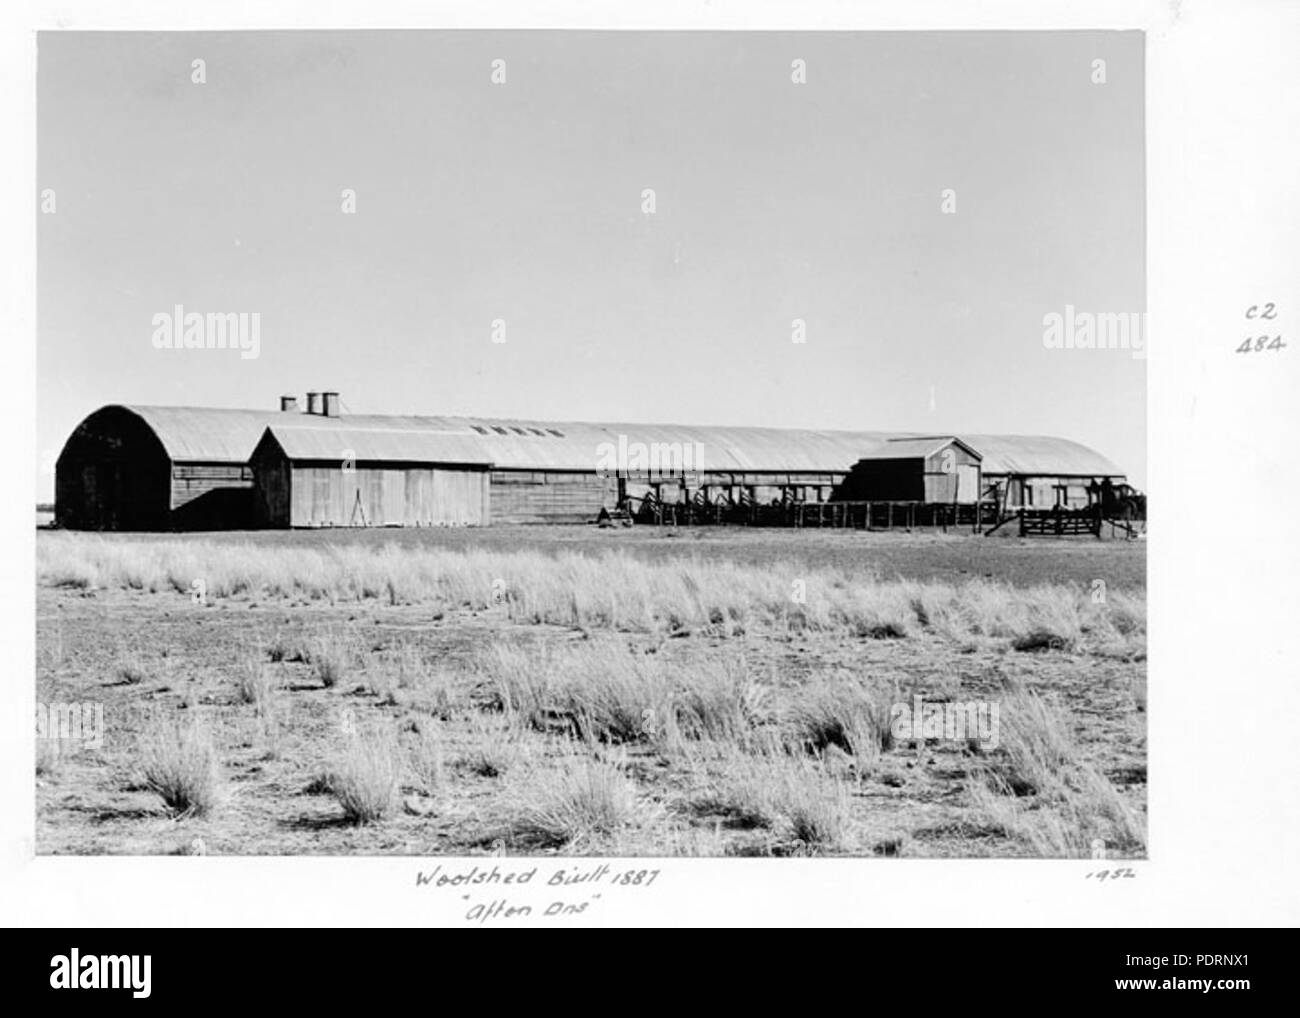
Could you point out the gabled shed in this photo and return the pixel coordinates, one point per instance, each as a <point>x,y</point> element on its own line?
<point>936,468</point>
<point>310,476</point>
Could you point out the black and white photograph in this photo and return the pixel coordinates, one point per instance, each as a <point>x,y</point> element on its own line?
<point>573,455</point>
<point>358,544</point>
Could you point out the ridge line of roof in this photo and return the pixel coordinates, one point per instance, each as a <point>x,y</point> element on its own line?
<point>294,417</point>
<point>193,433</point>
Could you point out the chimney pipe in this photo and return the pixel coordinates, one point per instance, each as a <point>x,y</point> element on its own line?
<point>331,404</point>
<point>313,402</point>
<point>288,404</point>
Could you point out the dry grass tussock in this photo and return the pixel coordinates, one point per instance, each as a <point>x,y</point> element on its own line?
<point>333,656</point>
<point>179,762</point>
<point>426,760</point>
<point>1037,788</point>
<point>405,674</point>
<point>254,681</point>
<point>603,691</point>
<point>611,590</point>
<point>806,808</point>
<point>257,685</point>
<point>498,745</point>
<point>133,664</point>
<point>840,713</point>
<point>366,776</point>
<point>570,805</point>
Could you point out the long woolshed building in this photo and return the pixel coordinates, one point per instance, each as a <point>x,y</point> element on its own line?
<point>184,468</point>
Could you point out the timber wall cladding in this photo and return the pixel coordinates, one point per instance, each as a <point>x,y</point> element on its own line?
<point>378,497</point>
<point>190,480</point>
<point>951,475</point>
<point>535,496</point>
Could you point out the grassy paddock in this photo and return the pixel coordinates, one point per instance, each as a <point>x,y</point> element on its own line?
<point>392,699</point>
<point>611,590</point>
<point>924,556</point>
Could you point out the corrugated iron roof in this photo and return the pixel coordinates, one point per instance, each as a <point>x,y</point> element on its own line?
<point>220,435</point>
<point>1040,454</point>
<point>310,441</point>
<point>205,433</point>
<point>579,445</point>
<point>917,448</point>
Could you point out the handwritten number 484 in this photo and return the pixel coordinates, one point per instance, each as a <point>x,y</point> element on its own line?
<point>1257,343</point>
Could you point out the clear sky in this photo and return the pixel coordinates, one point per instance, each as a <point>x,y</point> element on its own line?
<point>523,202</point>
